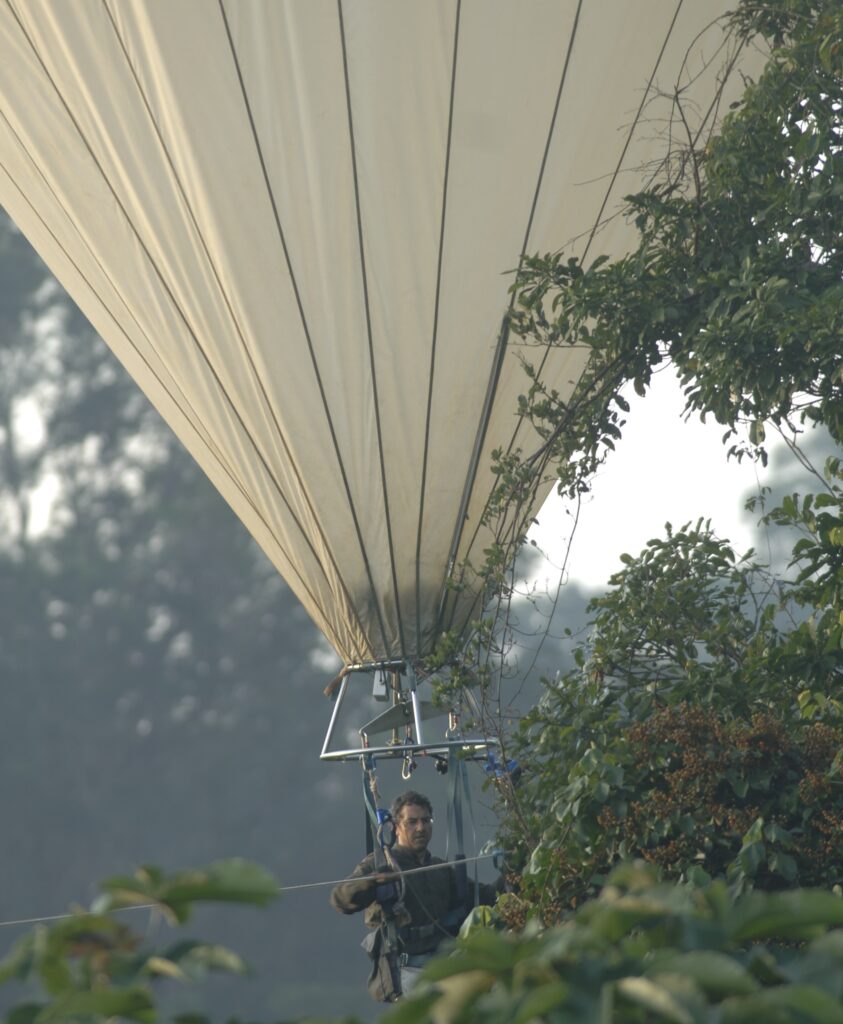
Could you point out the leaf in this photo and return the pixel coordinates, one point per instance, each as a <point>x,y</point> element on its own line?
<point>751,857</point>
<point>809,1004</point>
<point>233,881</point>
<point>455,994</point>
<point>417,1008</point>
<point>698,876</point>
<point>776,834</point>
<point>716,973</point>
<point>783,864</point>
<point>199,957</point>
<point>786,915</point>
<point>830,943</point>
<point>166,968</point>
<point>134,1004</point>
<point>541,1000</point>
<point>655,998</point>
<point>26,1013</point>
<point>18,963</point>
<point>612,921</point>
<point>480,917</point>
<point>739,783</point>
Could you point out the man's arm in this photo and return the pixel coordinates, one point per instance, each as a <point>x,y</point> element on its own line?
<point>360,890</point>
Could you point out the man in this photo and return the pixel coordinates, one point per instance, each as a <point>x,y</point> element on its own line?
<point>432,909</point>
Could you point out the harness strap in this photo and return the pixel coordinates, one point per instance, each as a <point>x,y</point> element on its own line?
<point>384,861</point>
<point>449,923</point>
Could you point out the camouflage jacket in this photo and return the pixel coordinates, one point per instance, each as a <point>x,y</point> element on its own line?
<point>430,898</point>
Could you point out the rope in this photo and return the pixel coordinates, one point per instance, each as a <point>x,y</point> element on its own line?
<point>281,889</point>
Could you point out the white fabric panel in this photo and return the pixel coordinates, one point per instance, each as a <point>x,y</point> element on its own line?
<point>139,228</point>
<point>246,199</point>
<point>654,49</point>
<point>399,99</point>
<point>508,72</point>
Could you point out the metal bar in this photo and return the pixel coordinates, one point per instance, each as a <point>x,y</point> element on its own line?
<point>389,664</point>
<point>395,679</point>
<point>329,735</point>
<point>475,745</point>
<point>417,709</point>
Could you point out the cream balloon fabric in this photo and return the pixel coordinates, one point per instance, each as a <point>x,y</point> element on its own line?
<point>293,222</point>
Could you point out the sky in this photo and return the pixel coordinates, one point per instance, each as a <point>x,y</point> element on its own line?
<point>665,469</point>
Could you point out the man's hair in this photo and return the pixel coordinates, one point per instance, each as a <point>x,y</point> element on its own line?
<point>405,799</point>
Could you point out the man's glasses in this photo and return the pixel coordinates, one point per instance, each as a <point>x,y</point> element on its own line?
<point>412,822</point>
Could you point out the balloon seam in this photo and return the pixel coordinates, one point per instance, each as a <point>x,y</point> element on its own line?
<point>311,351</point>
<point>154,266</point>
<point>365,283</point>
<point>432,370</point>
<point>608,192</point>
<point>278,432</point>
<point>493,382</point>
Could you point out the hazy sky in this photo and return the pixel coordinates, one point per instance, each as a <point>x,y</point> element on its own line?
<point>664,470</point>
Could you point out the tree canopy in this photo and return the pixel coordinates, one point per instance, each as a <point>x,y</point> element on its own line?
<point>706,700</point>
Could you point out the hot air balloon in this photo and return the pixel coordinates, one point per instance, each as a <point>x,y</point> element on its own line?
<point>294,222</point>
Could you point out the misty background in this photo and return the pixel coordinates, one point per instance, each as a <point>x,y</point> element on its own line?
<point>160,687</point>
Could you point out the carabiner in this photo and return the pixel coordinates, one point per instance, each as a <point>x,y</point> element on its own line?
<point>408,767</point>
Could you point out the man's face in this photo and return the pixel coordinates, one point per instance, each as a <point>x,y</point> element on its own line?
<point>414,827</point>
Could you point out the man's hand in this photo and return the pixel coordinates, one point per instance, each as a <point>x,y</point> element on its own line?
<point>386,891</point>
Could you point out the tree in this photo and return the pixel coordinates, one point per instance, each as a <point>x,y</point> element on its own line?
<point>700,730</point>
<point>701,727</point>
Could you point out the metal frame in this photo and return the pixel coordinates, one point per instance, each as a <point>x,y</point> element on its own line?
<point>474,745</point>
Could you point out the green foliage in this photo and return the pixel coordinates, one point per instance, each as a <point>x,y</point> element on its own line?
<point>736,279</point>
<point>233,881</point>
<point>818,560</point>
<point>700,730</point>
<point>92,967</point>
<point>645,951</point>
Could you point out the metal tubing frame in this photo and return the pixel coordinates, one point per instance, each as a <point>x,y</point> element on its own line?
<point>477,744</point>
<point>329,735</point>
<point>417,715</point>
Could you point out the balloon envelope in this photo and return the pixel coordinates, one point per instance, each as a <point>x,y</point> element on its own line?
<point>293,222</point>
